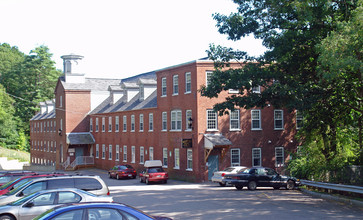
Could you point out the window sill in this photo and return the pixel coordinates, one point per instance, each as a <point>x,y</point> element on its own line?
<point>189,92</point>
<point>162,96</point>
<point>190,170</point>
<point>175,130</point>
<point>256,129</point>
<point>176,168</point>
<point>212,130</point>
<point>234,129</point>
<point>278,129</point>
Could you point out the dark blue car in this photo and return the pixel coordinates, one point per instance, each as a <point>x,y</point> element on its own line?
<point>96,211</point>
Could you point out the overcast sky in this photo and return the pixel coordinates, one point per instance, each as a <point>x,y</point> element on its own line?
<point>119,38</point>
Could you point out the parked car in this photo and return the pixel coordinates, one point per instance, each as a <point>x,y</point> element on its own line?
<point>93,184</point>
<point>102,211</point>
<point>218,176</point>
<point>122,171</point>
<point>153,172</point>
<point>260,176</point>
<point>21,180</point>
<point>35,204</point>
<point>8,176</point>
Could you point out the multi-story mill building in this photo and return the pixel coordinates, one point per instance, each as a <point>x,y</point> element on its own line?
<point>159,115</point>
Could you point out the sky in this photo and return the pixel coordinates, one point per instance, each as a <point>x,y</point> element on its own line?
<point>119,38</point>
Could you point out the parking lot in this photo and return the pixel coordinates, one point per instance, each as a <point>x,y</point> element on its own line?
<point>182,200</point>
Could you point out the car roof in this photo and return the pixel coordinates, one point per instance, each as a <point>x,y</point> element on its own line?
<point>90,205</point>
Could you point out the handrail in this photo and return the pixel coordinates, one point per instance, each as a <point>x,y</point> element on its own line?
<point>66,163</point>
<point>82,160</point>
<point>332,186</point>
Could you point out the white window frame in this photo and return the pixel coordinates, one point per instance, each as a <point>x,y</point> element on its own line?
<point>254,118</point>
<point>189,160</point>
<point>90,125</point>
<point>141,122</point>
<point>208,75</point>
<point>124,123</point>
<point>163,87</point>
<point>256,89</point>
<point>141,91</point>
<point>176,158</point>
<point>164,121</point>
<point>103,124</point>
<point>110,152</point>
<point>278,119</point>
<point>133,154</point>
<point>109,124</point>
<point>188,120</point>
<point>188,82</point>
<point>256,154</point>
<point>279,156</point>
<point>151,122</point>
<point>165,157</point>
<point>97,126</point>
<point>299,120</point>
<point>117,152</point>
<point>176,120</point>
<point>142,155</point>
<point>103,151</point>
<point>234,118</point>
<point>175,84</point>
<point>60,101</point>
<point>212,119</point>
<point>124,157</point>
<point>117,124</point>
<point>235,157</point>
<point>151,153</point>
<point>132,123</point>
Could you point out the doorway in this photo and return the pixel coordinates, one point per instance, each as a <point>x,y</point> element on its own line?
<point>213,165</point>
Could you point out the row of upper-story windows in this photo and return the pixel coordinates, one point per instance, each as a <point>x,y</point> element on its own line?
<point>257,157</point>
<point>46,146</point>
<point>45,126</point>
<point>176,83</point>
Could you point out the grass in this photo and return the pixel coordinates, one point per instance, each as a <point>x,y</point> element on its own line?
<point>15,154</point>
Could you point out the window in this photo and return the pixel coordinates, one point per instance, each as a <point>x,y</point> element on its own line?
<point>103,151</point>
<point>90,125</point>
<point>96,124</point>
<point>124,123</point>
<point>44,199</point>
<point>151,122</point>
<point>256,157</point>
<point>234,123</point>
<point>117,152</point>
<point>256,89</point>
<point>279,119</point>
<point>235,157</point>
<point>212,120</point>
<point>132,154</point>
<point>110,152</point>
<point>117,124</point>
<point>188,82</point>
<point>256,119</point>
<point>141,122</point>
<point>189,120</point>
<point>175,85</point>
<point>176,158</point>
<point>60,101</point>
<point>208,78</point>
<point>279,156</point>
<point>176,120</point>
<point>68,197</point>
<point>125,153</point>
<point>299,120</point>
<point>109,124</point>
<point>189,159</point>
<point>163,86</point>
<point>141,92</point>
<point>103,124</point>
<point>132,122</point>
<point>97,151</point>
<point>151,153</point>
<point>165,157</point>
<point>164,122</point>
<point>141,155</point>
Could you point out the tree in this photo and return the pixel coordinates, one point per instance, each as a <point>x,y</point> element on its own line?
<point>293,72</point>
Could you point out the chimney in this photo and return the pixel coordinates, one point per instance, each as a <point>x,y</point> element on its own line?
<point>72,70</point>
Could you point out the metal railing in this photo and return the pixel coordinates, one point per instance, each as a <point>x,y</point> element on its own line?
<point>66,163</point>
<point>332,186</point>
<point>82,160</point>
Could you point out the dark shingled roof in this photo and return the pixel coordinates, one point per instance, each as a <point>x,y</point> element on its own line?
<point>80,138</point>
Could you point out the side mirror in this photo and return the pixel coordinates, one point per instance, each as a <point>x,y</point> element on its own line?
<point>29,204</point>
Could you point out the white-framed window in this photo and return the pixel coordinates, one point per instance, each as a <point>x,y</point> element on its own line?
<point>235,157</point>
<point>163,86</point>
<point>151,153</point>
<point>188,82</point>
<point>141,122</point>
<point>165,157</point>
<point>256,157</point>
<point>60,101</point>
<point>117,152</point>
<point>103,151</point>
<point>208,77</point>
<point>278,120</point>
<point>212,120</point>
<point>109,124</point>
<point>176,120</point>
<point>90,125</point>
<point>110,152</point>
<point>299,120</point>
<point>132,122</point>
<point>125,154</point>
<point>188,120</point>
<point>133,156</point>
<point>175,85</point>
<point>124,123</point>
<point>189,159</point>
<point>142,156</point>
<point>256,119</point>
<point>103,124</point>
<point>117,124</point>
<point>151,122</point>
<point>233,91</point>
<point>176,159</point>
<point>164,121</point>
<point>256,89</point>
<point>234,121</point>
<point>279,156</point>
<point>141,92</point>
<point>61,124</point>
<point>96,124</point>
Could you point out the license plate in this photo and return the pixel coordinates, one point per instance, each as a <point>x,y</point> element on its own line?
<point>159,175</point>
<point>130,175</point>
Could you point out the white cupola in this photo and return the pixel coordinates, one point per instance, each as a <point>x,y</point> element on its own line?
<point>72,68</point>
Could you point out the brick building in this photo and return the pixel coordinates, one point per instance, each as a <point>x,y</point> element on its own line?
<point>157,115</point>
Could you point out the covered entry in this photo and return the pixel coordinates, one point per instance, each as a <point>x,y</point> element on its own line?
<point>79,148</point>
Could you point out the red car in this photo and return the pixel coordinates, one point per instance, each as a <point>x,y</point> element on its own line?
<point>8,176</point>
<point>153,172</point>
<point>21,180</point>
<point>122,171</point>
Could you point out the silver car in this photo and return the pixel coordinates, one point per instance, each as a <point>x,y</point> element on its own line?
<point>218,177</point>
<point>33,205</point>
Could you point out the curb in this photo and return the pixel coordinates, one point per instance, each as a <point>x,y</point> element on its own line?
<point>333,198</point>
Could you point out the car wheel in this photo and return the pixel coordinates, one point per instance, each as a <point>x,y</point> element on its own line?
<point>252,185</point>
<point>165,181</point>
<point>134,177</point>
<point>222,184</point>
<point>290,185</point>
<point>239,187</point>
<point>7,217</point>
<point>117,176</point>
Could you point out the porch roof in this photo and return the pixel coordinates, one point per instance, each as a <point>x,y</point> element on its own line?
<point>216,140</point>
<point>80,138</point>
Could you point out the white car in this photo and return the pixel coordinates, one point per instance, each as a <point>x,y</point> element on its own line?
<point>218,177</point>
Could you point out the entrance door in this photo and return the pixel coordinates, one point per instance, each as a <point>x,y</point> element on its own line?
<point>212,165</point>
<point>79,151</point>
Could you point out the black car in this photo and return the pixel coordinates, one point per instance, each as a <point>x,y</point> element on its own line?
<point>260,176</point>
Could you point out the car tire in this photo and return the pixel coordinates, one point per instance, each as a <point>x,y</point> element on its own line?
<point>222,184</point>
<point>7,217</point>
<point>239,187</point>
<point>252,185</point>
<point>290,185</point>
<point>117,176</point>
<point>134,177</point>
<point>165,181</point>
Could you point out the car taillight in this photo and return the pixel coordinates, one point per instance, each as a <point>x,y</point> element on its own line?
<point>235,177</point>
<point>223,174</point>
<point>108,192</point>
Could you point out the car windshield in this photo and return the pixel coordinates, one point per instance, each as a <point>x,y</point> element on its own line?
<point>156,170</point>
<point>17,189</point>
<point>122,167</point>
<point>9,183</point>
<point>229,169</point>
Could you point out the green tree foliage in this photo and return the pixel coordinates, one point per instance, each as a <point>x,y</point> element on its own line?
<point>298,71</point>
